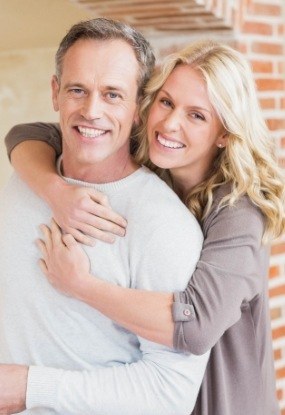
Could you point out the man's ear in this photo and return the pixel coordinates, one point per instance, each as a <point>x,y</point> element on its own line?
<point>137,115</point>
<point>55,91</point>
<point>137,119</point>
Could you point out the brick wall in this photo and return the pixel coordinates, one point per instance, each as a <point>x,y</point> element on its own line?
<point>259,32</point>
<point>257,28</point>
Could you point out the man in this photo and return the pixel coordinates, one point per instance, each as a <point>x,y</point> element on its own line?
<point>62,356</point>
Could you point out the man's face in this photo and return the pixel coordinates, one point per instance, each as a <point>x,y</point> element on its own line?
<point>97,102</point>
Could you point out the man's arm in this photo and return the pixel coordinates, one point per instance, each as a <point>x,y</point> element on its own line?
<point>162,381</point>
<point>158,384</point>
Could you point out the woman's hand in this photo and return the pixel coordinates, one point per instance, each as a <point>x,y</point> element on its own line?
<point>64,262</point>
<point>85,214</point>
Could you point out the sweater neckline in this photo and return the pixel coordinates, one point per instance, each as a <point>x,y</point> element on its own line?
<point>104,187</point>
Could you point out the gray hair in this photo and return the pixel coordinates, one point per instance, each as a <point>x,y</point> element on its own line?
<point>107,29</point>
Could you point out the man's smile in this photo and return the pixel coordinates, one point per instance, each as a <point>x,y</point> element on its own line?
<point>89,132</point>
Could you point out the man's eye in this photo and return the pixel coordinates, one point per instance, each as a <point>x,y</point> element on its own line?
<point>113,95</point>
<point>76,91</point>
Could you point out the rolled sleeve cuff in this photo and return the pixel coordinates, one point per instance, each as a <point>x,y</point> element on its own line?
<point>182,311</point>
<point>42,387</point>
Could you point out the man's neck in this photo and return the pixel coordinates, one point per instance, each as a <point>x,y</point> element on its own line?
<point>106,171</point>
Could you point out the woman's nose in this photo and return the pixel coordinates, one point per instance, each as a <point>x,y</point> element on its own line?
<point>172,121</point>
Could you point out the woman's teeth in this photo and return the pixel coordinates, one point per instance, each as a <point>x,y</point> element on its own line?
<point>168,143</point>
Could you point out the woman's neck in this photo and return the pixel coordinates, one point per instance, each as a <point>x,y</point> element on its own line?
<point>183,185</point>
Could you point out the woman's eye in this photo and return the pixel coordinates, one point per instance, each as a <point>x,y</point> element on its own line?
<point>166,102</point>
<point>197,116</point>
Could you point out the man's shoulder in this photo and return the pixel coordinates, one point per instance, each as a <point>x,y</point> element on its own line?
<point>16,195</point>
<point>157,203</point>
<point>157,190</point>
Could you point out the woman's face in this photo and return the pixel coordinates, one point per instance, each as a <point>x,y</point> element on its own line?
<point>183,128</point>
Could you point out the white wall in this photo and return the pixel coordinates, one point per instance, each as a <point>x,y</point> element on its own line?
<point>24,93</point>
<point>30,33</point>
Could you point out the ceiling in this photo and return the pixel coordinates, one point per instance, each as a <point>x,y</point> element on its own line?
<point>165,15</point>
<point>27,24</point>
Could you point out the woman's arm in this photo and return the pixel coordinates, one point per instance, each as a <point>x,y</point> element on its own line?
<point>231,272</point>
<point>231,269</point>
<point>84,213</point>
<point>146,313</point>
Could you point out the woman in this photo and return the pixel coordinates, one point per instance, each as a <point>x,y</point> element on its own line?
<point>232,184</point>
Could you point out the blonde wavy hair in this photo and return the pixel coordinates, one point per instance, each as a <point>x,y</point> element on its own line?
<point>247,162</point>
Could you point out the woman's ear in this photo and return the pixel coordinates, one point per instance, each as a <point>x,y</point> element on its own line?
<point>222,140</point>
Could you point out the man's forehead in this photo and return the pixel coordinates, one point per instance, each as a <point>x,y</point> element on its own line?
<point>111,51</point>
<point>112,61</point>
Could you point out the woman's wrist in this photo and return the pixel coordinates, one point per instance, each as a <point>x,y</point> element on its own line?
<point>84,289</point>
<point>53,188</point>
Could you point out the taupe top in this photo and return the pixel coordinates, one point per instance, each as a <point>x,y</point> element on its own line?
<point>224,307</point>
<point>228,312</point>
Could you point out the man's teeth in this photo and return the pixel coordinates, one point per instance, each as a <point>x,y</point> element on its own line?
<point>168,143</point>
<point>90,132</point>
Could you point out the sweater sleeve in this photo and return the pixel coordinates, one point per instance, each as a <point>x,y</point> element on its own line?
<point>230,273</point>
<point>47,132</point>
<point>158,384</point>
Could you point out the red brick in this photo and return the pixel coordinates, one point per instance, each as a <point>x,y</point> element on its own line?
<point>277,333</point>
<point>276,291</point>
<point>282,103</point>
<point>279,394</point>
<point>267,48</point>
<point>276,124</point>
<point>257,28</point>
<point>281,29</point>
<point>278,249</point>
<point>280,373</point>
<point>264,9</point>
<point>267,103</point>
<point>275,313</point>
<point>274,271</point>
<point>277,354</point>
<point>262,66</point>
<point>270,84</point>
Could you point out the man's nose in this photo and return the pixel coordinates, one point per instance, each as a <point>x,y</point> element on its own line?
<point>93,107</point>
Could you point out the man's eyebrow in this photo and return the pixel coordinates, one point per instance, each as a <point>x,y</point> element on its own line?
<point>73,85</point>
<point>116,87</point>
<point>109,87</point>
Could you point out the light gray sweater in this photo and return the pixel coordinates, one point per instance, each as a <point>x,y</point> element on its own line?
<point>81,362</point>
